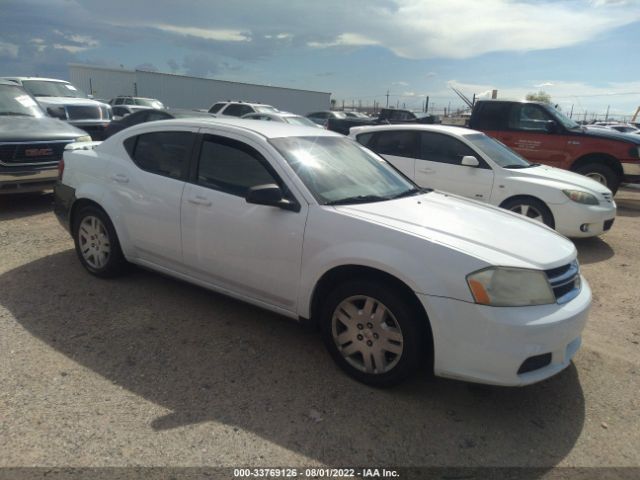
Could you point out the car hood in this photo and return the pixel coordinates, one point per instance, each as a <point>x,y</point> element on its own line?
<point>611,135</point>
<point>488,233</point>
<point>571,179</point>
<point>32,129</point>
<point>56,101</point>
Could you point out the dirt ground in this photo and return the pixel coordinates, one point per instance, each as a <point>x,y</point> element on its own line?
<point>145,370</point>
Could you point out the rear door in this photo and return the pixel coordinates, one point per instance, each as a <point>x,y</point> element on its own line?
<point>439,166</point>
<point>251,250</point>
<point>148,191</point>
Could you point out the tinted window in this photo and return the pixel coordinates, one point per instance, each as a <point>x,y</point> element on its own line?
<point>437,147</point>
<point>163,153</point>
<point>119,101</point>
<point>529,117</point>
<point>230,166</point>
<point>121,111</point>
<point>491,116</point>
<point>364,138</point>
<point>401,143</point>
<point>129,101</point>
<point>237,110</point>
<point>216,108</point>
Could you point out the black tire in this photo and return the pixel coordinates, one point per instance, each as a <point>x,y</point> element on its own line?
<point>601,170</point>
<point>114,263</point>
<point>405,315</point>
<point>516,205</point>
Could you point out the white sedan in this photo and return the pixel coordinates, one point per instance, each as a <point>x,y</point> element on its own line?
<point>307,223</point>
<point>469,163</point>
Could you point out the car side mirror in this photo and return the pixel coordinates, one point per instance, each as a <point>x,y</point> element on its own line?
<point>469,161</point>
<point>270,195</point>
<point>551,126</point>
<point>57,112</point>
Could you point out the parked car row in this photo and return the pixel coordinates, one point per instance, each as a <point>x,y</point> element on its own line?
<point>310,224</point>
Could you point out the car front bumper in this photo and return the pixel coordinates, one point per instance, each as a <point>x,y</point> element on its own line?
<point>483,344</point>
<point>576,220</point>
<point>27,179</point>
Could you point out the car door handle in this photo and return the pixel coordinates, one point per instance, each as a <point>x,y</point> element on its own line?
<point>120,178</point>
<point>200,200</point>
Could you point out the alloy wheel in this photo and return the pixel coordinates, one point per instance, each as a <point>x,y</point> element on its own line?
<point>528,211</point>
<point>95,245</point>
<point>367,334</point>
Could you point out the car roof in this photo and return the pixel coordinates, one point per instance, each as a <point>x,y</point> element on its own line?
<point>37,78</point>
<point>4,81</point>
<point>264,129</point>
<point>450,129</point>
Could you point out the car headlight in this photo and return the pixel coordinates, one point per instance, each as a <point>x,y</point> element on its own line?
<point>579,196</point>
<point>84,138</point>
<point>510,287</point>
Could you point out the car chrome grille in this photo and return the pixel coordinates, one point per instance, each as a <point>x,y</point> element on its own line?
<point>31,153</point>
<point>85,112</point>
<point>565,281</point>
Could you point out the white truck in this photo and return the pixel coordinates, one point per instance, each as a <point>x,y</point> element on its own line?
<point>61,99</point>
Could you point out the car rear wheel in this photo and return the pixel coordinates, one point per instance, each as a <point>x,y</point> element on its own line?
<point>602,174</point>
<point>372,332</point>
<point>531,208</point>
<point>97,244</point>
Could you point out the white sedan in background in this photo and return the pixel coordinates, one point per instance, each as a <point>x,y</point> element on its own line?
<point>469,163</point>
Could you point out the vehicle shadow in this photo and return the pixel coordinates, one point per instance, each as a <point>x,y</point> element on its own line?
<point>593,250</point>
<point>208,358</point>
<point>17,205</point>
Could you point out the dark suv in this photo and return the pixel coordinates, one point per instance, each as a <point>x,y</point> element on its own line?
<point>31,143</point>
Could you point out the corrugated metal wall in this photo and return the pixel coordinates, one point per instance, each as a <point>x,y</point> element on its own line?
<point>104,83</point>
<point>180,91</point>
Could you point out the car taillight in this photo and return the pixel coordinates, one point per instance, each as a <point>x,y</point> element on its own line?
<point>60,168</point>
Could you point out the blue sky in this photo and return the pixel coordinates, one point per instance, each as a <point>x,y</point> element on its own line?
<point>582,52</point>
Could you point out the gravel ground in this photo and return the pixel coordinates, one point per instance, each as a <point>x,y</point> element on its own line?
<point>149,371</point>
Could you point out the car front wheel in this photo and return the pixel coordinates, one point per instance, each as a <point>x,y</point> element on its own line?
<point>531,208</point>
<point>372,332</point>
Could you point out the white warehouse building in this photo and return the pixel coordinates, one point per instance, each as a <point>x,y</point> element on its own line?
<point>181,91</point>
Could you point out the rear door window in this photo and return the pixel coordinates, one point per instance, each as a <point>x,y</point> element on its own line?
<point>400,143</point>
<point>163,153</point>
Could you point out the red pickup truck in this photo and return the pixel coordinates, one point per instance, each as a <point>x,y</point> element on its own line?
<point>542,134</point>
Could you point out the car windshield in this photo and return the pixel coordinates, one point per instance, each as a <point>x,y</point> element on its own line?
<point>46,88</point>
<point>564,120</point>
<point>338,171</point>
<point>149,102</point>
<point>300,121</point>
<point>339,115</point>
<point>16,102</point>
<point>497,151</point>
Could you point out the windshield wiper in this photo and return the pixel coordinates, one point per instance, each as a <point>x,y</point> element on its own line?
<point>410,192</point>
<point>21,114</point>
<point>357,199</point>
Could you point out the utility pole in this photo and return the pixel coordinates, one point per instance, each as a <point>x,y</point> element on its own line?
<point>426,105</point>
<point>387,98</point>
<point>571,113</point>
<point>606,117</point>
<point>473,102</point>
